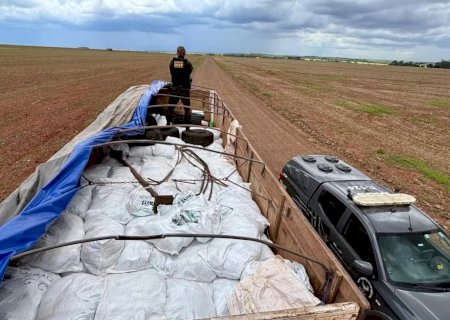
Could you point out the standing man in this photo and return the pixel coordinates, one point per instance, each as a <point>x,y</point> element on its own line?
<point>180,70</point>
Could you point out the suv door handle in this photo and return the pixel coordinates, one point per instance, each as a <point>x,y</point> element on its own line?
<point>337,248</point>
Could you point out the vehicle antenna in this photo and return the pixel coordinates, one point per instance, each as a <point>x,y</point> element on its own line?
<point>410,225</point>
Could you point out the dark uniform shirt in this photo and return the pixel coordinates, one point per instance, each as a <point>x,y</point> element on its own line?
<point>181,70</point>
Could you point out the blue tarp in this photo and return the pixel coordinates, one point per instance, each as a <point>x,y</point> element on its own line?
<point>21,232</point>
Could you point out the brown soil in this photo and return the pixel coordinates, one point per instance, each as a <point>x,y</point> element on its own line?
<point>49,95</point>
<point>291,107</point>
<point>286,108</point>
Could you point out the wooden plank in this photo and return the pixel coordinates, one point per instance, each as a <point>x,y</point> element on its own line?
<point>338,311</point>
<point>334,288</point>
<point>278,219</point>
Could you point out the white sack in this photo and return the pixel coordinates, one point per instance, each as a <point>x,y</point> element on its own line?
<point>222,288</point>
<point>274,286</point>
<point>195,212</point>
<point>97,256</point>
<point>154,225</point>
<point>240,203</point>
<point>175,140</point>
<point>250,269</point>
<point>189,300</point>
<point>21,292</point>
<point>80,202</point>
<point>167,188</point>
<point>110,202</point>
<point>67,228</point>
<point>188,177</point>
<point>266,251</point>
<point>73,297</point>
<point>266,254</point>
<point>164,150</point>
<point>136,162</point>
<point>300,272</point>
<point>140,202</point>
<point>204,154</point>
<point>189,265</point>
<point>155,170</point>
<point>217,146</point>
<point>141,151</point>
<point>228,258</point>
<point>95,173</point>
<point>133,296</point>
<point>138,255</point>
<point>121,174</point>
<point>242,191</point>
<point>111,162</point>
<point>239,224</point>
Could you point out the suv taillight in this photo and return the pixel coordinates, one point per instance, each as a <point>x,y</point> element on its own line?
<point>281,176</point>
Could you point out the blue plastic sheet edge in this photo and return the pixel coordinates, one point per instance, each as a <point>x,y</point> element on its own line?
<point>21,232</point>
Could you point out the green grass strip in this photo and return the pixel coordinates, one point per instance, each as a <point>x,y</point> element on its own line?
<point>420,166</point>
<point>374,109</point>
<point>441,103</point>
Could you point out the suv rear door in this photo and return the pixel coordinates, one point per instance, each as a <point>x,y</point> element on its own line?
<point>326,213</point>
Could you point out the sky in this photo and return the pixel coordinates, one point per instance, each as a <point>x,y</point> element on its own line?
<point>409,30</point>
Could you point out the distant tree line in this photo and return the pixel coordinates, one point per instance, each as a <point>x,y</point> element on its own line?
<point>443,64</point>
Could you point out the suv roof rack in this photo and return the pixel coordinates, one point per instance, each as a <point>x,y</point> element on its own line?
<point>371,199</point>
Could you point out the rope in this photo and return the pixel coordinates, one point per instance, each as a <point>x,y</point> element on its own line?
<point>171,235</point>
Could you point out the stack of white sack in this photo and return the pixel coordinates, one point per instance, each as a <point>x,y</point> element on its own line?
<point>175,277</point>
<point>67,228</point>
<point>25,286</point>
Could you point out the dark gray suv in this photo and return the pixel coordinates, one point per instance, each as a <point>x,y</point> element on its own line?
<point>398,256</point>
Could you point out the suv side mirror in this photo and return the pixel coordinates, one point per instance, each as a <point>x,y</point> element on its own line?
<point>363,267</point>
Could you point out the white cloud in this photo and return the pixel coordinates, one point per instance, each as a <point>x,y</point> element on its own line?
<point>356,26</point>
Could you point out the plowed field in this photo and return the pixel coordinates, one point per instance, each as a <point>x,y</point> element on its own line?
<point>391,122</point>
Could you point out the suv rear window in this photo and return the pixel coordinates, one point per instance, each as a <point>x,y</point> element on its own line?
<point>331,206</point>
